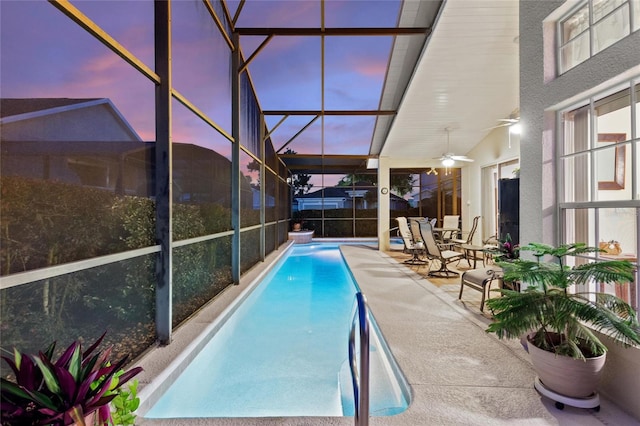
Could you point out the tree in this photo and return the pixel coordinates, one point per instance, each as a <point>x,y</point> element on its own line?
<point>253,166</point>
<point>300,184</point>
<point>299,181</point>
<point>401,183</point>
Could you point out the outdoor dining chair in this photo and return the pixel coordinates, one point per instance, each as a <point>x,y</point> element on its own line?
<point>415,248</point>
<point>435,252</point>
<point>466,237</point>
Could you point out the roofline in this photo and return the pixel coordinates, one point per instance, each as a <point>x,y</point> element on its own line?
<point>72,107</point>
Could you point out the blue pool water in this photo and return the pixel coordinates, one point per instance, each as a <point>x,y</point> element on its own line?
<point>284,351</point>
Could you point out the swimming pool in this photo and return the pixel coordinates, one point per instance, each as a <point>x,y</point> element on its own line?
<point>284,350</point>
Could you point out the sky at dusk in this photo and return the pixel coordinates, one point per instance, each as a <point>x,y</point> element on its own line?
<point>45,54</point>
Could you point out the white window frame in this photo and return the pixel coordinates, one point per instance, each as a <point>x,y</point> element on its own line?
<point>593,206</point>
<point>633,12</point>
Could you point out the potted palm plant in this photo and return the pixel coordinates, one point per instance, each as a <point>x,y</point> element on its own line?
<point>76,388</point>
<point>556,324</point>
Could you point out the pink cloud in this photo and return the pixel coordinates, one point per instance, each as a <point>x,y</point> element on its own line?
<point>83,67</point>
<point>370,67</point>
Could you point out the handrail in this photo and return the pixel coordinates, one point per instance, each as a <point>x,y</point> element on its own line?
<point>360,381</point>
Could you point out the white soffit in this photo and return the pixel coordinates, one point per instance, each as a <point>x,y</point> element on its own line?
<point>466,79</point>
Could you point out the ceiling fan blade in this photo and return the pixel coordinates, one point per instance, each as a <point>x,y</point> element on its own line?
<point>504,122</point>
<point>461,158</point>
<point>498,126</point>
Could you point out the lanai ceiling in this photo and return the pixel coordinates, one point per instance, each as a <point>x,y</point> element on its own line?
<point>458,71</point>
<point>465,80</point>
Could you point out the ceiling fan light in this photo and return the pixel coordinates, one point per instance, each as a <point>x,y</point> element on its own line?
<point>448,162</point>
<point>515,128</point>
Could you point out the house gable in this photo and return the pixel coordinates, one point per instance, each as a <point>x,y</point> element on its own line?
<point>61,119</point>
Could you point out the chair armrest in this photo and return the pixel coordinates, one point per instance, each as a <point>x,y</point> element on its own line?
<point>492,240</point>
<point>446,246</point>
<point>462,238</point>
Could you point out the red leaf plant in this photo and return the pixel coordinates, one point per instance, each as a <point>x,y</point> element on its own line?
<point>62,392</point>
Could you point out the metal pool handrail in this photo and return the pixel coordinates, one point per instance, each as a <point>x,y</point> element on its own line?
<point>360,377</point>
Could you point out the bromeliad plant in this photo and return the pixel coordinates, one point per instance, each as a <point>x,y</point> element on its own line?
<point>64,391</point>
<point>563,321</point>
<point>505,250</point>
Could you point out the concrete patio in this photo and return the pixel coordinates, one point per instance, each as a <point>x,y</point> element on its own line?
<point>458,374</point>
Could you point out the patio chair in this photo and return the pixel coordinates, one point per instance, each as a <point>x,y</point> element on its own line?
<point>467,237</point>
<point>436,252</point>
<point>490,245</point>
<point>464,243</point>
<point>410,245</point>
<point>448,230</point>
<point>450,224</point>
<point>414,227</point>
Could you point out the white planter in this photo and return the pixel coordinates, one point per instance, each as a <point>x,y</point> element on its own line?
<point>565,375</point>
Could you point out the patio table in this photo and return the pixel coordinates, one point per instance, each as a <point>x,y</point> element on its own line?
<point>470,249</point>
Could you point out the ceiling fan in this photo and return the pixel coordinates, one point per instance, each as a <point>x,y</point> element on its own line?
<point>513,124</point>
<point>506,122</point>
<point>448,159</point>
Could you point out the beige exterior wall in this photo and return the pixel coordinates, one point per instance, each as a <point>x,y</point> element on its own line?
<point>494,149</point>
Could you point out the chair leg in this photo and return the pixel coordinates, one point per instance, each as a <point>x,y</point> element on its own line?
<point>415,259</point>
<point>487,289</point>
<point>443,272</point>
<point>484,292</point>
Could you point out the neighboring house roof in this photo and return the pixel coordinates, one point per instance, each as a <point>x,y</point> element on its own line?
<point>114,148</point>
<point>342,191</point>
<point>14,106</point>
<point>15,110</point>
<point>331,191</point>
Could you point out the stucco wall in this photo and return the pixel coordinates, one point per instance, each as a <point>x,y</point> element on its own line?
<point>621,376</point>
<point>541,94</point>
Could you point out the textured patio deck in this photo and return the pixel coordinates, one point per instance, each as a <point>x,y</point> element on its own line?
<point>459,375</point>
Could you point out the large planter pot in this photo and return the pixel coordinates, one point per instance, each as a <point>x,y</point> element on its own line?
<point>565,375</point>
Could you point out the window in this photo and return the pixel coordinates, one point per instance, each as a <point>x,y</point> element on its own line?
<point>593,26</point>
<point>598,183</point>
